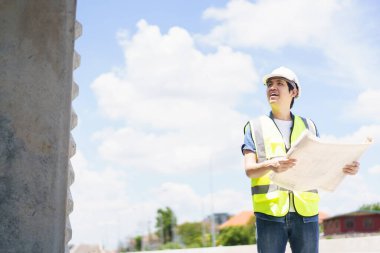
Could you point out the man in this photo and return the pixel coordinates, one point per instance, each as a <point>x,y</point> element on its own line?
<point>281,215</point>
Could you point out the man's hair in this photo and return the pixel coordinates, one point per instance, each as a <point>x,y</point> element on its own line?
<point>291,87</point>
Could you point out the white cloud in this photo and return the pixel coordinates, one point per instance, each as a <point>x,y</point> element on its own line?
<point>366,106</point>
<point>229,201</point>
<point>176,101</point>
<point>167,79</point>
<point>103,212</point>
<point>361,135</point>
<point>335,28</point>
<point>271,24</point>
<point>194,207</point>
<point>374,170</point>
<point>350,195</point>
<point>98,196</point>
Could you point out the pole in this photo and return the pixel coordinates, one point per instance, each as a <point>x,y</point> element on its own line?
<point>212,206</point>
<point>203,226</point>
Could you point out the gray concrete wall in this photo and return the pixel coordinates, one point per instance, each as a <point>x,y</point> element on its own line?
<point>345,245</point>
<point>36,64</point>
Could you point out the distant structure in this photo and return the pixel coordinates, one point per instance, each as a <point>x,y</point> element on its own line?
<point>241,219</point>
<point>219,218</point>
<point>351,223</point>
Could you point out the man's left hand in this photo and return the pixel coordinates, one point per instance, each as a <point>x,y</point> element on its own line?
<point>351,169</point>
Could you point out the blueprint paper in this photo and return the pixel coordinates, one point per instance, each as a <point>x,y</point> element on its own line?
<point>319,164</point>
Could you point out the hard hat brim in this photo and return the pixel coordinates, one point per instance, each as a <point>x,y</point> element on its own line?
<point>266,77</point>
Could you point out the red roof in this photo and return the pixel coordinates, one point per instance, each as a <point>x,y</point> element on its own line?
<point>240,219</point>
<point>356,213</point>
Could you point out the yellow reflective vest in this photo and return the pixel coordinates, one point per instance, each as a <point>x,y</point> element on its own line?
<point>267,197</point>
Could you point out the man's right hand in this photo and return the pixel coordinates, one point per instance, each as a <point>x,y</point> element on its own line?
<point>281,164</point>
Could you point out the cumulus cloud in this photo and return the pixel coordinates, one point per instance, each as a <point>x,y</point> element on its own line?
<point>104,213</point>
<point>362,134</point>
<point>97,195</point>
<point>335,28</point>
<point>175,100</point>
<point>192,206</point>
<point>366,106</point>
<point>270,24</point>
<point>230,201</point>
<point>347,193</point>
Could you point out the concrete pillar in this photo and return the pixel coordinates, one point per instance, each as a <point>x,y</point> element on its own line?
<point>36,90</point>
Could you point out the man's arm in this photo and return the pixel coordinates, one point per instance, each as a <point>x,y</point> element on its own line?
<point>253,169</point>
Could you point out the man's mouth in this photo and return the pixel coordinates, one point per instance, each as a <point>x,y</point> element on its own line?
<point>273,95</point>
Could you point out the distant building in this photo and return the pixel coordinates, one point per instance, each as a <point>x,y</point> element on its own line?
<point>151,242</point>
<point>241,219</point>
<point>219,218</point>
<point>354,222</point>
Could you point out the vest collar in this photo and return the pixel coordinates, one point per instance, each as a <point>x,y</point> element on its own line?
<point>272,117</point>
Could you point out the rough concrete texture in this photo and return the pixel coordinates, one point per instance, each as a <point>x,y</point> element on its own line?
<point>36,63</point>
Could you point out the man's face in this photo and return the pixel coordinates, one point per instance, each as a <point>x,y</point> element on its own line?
<point>278,92</point>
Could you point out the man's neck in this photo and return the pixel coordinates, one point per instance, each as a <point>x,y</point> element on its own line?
<point>281,114</point>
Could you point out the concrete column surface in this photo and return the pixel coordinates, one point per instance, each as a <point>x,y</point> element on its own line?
<point>36,64</point>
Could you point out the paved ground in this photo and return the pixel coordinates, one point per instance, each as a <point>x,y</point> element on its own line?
<point>366,244</point>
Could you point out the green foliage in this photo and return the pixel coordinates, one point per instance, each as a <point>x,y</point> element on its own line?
<point>165,224</point>
<point>138,243</point>
<point>237,235</point>
<point>191,234</point>
<point>170,245</point>
<point>370,207</point>
<point>321,228</point>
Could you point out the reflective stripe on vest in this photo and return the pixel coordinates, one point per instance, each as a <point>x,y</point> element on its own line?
<point>267,197</point>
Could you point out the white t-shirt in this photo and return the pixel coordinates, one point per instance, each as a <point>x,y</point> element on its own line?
<point>284,126</point>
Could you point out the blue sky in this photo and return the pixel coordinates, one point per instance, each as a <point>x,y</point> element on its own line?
<point>167,86</point>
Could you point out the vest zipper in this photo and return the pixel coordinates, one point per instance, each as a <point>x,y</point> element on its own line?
<point>291,198</point>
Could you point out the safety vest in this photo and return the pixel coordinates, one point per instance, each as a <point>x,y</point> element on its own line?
<point>267,197</point>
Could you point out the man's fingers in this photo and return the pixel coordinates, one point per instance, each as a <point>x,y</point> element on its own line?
<point>291,162</point>
<point>351,169</point>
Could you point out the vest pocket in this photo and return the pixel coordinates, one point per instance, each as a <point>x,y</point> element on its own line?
<point>274,203</point>
<point>306,203</point>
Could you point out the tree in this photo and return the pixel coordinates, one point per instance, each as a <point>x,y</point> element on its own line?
<point>138,243</point>
<point>165,224</point>
<point>370,207</point>
<point>191,234</point>
<point>237,235</point>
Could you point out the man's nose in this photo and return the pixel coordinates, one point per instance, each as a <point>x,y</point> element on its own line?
<point>272,87</point>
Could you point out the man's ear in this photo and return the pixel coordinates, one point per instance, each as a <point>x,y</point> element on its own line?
<point>294,93</point>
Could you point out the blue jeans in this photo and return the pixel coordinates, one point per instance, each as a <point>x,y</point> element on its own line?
<point>302,234</point>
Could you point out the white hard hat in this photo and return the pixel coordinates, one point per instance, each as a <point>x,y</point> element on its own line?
<point>285,73</point>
